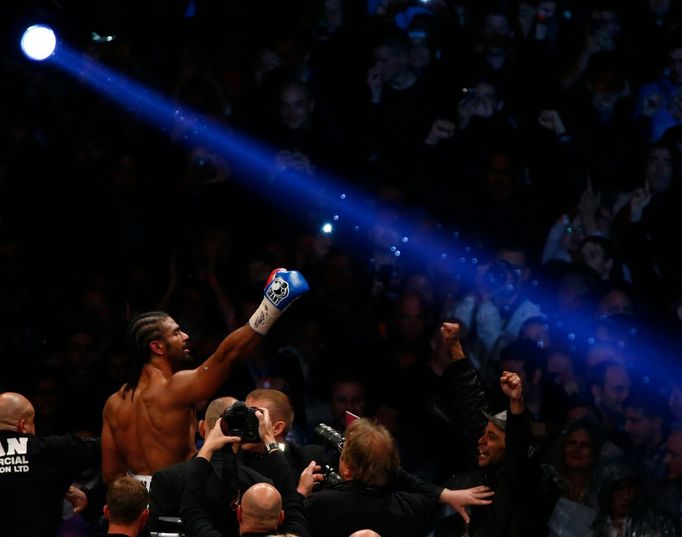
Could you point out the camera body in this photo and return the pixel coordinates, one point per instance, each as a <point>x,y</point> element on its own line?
<point>241,420</point>
<point>333,439</point>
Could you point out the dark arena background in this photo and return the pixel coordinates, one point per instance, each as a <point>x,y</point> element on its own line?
<point>513,166</point>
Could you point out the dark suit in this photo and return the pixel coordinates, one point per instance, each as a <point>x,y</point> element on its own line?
<point>350,506</point>
<point>298,457</point>
<point>221,491</point>
<point>196,521</point>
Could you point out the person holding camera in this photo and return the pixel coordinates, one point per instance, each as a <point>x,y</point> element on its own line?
<point>150,422</point>
<point>375,493</point>
<point>281,411</point>
<point>223,487</point>
<point>498,306</point>
<point>263,508</point>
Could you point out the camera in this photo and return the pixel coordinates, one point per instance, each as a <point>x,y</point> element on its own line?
<point>241,420</point>
<point>329,437</point>
<point>502,278</point>
<point>333,439</point>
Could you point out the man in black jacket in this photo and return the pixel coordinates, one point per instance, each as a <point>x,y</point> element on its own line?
<point>366,498</point>
<point>258,512</point>
<point>222,486</point>
<point>502,454</point>
<point>36,471</point>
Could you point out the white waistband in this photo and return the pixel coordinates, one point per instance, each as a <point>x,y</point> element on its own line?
<point>146,480</point>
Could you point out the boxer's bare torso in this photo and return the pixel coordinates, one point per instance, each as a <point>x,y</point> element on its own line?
<point>154,425</point>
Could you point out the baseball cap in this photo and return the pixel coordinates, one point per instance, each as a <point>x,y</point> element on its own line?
<point>499,419</point>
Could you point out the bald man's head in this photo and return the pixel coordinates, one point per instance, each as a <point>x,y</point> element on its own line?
<point>16,413</point>
<point>260,509</point>
<point>365,533</point>
<point>215,409</point>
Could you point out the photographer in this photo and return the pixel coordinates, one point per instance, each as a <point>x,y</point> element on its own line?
<point>262,510</point>
<point>281,413</point>
<point>223,486</point>
<point>375,492</point>
<point>498,306</point>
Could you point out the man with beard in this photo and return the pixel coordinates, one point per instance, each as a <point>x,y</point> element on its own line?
<point>150,423</point>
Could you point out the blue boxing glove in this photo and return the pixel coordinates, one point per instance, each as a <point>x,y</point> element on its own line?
<point>281,289</point>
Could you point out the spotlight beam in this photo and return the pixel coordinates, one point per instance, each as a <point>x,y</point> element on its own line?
<point>343,204</point>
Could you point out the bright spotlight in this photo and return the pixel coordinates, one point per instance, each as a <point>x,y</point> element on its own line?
<point>38,42</point>
<point>327,228</point>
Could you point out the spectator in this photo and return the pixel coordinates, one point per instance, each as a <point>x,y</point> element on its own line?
<point>671,498</point>
<point>499,304</point>
<point>647,424</point>
<point>519,505</point>
<point>610,386</point>
<point>402,106</point>
<point>126,508</point>
<point>38,470</point>
<point>578,505</point>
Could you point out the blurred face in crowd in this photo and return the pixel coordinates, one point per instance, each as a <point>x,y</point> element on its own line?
<point>622,498</point>
<point>642,429</point>
<point>615,390</point>
<point>491,446</point>
<point>390,63</point>
<point>501,179</point>
<point>538,332</point>
<point>348,396</point>
<point>673,455</point>
<point>496,32</point>
<point>615,302</point>
<point>659,169</point>
<point>411,318</point>
<point>295,106</point>
<point>578,450</point>
<point>594,256</point>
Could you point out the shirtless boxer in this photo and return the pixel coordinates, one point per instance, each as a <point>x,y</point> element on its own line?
<point>150,423</point>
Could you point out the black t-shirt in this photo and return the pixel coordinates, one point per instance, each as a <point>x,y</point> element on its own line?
<point>35,473</point>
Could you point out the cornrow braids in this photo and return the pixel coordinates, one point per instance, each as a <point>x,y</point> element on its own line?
<point>142,330</point>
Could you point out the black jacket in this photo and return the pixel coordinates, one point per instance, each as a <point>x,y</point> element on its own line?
<point>35,473</point>
<point>350,506</point>
<point>221,490</point>
<point>517,509</point>
<point>195,520</point>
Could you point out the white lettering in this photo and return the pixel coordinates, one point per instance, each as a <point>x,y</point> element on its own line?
<point>12,460</point>
<point>17,446</point>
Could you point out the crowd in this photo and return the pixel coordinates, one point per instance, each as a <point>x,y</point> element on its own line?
<point>536,143</point>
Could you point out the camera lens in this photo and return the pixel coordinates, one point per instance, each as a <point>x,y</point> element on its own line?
<point>329,437</point>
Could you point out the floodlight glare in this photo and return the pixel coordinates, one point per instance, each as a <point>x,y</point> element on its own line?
<point>38,42</point>
<point>327,228</point>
